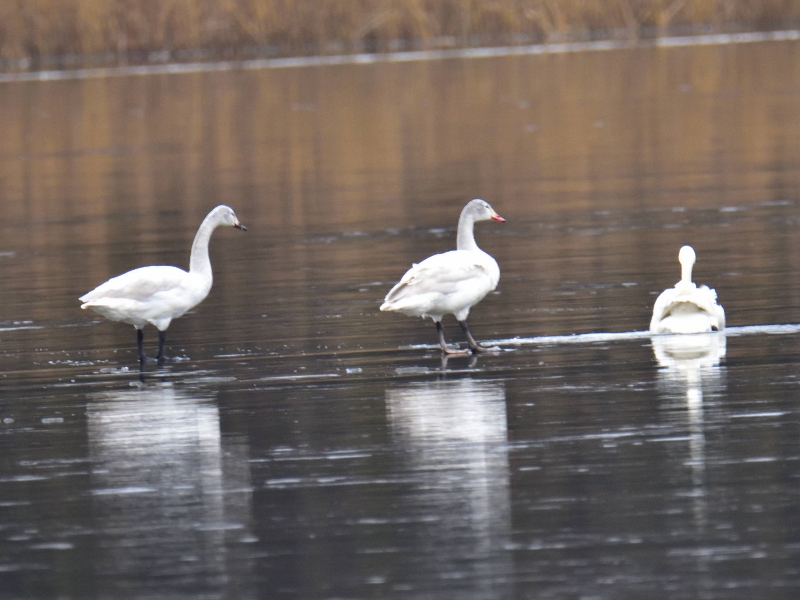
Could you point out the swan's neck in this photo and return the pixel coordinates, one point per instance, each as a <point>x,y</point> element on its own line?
<point>686,272</point>
<point>466,235</point>
<point>199,262</point>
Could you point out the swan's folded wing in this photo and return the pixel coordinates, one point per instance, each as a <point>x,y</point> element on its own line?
<point>706,299</point>
<point>137,285</point>
<point>442,273</point>
<point>119,309</point>
<point>661,308</point>
<point>703,297</point>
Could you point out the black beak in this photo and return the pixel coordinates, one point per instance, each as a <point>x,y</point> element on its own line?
<point>240,226</point>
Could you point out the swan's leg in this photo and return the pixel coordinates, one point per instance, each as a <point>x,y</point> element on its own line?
<point>440,331</point>
<point>443,344</point>
<point>160,356</point>
<point>474,346</point>
<point>140,343</point>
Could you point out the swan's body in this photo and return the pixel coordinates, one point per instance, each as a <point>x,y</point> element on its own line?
<point>452,282</point>
<point>687,308</point>
<point>158,294</point>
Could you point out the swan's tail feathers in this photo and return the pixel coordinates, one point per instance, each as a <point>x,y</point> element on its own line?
<point>116,309</point>
<point>86,303</point>
<point>396,301</point>
<point>99,293</point>
<point>391,304</point>
<point>99,306</point>
<point>720,317</point>
<point>396,294</point>
<point>96,304</point>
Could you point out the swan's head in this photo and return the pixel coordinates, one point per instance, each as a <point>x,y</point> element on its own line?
<point>687,257</point>
<point>224,215</point>
<point>480,210</point>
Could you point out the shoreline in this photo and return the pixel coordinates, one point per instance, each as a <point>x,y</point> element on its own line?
<point>163,68</point>
<point>56,35</point>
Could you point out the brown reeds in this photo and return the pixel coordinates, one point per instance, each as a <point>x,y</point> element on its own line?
<point>33,32</point>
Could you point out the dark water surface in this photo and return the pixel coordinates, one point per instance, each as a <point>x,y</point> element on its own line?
<point>304,445</point>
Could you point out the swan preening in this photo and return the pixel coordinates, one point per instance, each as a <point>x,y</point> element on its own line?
<point>158,294</point>
<point>687,308</point>
<point>452,282</point>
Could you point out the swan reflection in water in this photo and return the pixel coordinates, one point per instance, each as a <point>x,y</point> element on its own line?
<point>453,435</point>
<point>171,499</point>
<point>690,368</point>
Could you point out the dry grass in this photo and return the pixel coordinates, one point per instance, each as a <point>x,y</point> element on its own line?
<point>117,30</point>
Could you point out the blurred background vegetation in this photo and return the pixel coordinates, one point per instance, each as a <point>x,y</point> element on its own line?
<point>63,33</point>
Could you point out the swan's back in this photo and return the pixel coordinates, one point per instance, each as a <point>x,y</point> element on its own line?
<point>138,284</point>
<point>443,284</point>
<point>687,309</point>
<point>155,295</point>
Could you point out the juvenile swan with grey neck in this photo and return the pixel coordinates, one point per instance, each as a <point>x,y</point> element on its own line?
<point>158,294</point>
<point>452,282</point>
<point>687,308</point>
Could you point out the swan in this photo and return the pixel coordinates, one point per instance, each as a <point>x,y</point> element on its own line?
<point>452,282</point>
<point>687,308</point>
<point>158,294</point>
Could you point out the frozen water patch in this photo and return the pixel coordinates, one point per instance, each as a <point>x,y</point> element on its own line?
<point>574,338</point>
<point>298,377</point>
<point>23,478</point>
<point>759,415</point>
<point>219,527</point>
<point>763,329</point>
<point>412,370</point>
<point>589,338</point>
<point>327,481</point>
<point>123,491</point>
<point>20,327</point>
<point>409,56</point>
<point>53,546</point>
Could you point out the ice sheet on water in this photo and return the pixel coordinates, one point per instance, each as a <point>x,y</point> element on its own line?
<point>589,338</point>
<point>163,68</point>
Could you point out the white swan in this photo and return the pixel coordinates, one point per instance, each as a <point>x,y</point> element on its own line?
<point>687,308</point>
<point>450,283</point>
<point>158,294</point>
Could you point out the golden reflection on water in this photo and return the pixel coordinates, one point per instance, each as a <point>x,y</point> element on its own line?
<point>99,176</point>
<point>358,143</point>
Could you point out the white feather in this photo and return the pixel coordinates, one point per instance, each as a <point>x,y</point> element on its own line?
<point>158,294</point>
<point>452,282</point>
<point>687,308</point>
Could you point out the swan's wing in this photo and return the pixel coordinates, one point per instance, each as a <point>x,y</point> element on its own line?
<point>703,297</point>
<point>721,317</point>
<point>138,285</point>
<point>443,274</point>
<point>706,299</point>
<point>664,302</point>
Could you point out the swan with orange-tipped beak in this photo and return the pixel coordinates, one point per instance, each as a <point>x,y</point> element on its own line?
<point>452,282</point>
